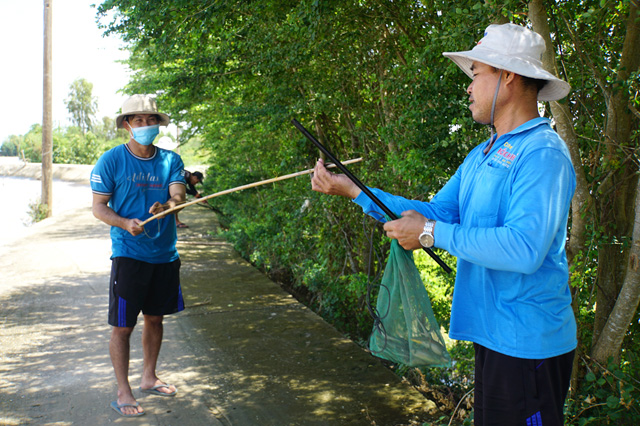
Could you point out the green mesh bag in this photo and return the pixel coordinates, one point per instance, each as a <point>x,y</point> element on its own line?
<point>405,330</point>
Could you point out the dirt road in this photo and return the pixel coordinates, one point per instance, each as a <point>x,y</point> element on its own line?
<point>244,352</point>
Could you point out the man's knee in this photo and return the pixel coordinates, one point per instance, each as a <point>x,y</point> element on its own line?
<point>121,332</point>
<point>153,320</point>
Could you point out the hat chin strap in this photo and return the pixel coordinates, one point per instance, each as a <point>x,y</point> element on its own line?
<point>493,110</point>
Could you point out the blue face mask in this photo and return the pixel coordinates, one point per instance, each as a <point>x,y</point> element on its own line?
<point>145,135</point>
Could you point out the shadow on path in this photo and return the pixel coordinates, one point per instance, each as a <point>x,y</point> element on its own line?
<point>244,352</point>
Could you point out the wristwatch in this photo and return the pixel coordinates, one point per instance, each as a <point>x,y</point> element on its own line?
<point>426,238</point>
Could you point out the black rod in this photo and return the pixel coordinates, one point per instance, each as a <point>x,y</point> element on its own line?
<point>364,189</point>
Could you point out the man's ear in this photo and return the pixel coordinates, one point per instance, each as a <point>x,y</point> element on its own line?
<point>509,77</point>
<point>127,127</point>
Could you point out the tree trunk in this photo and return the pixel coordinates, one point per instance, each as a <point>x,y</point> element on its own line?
<point>615,302</point>
<point>616,218</point>
<point>617,192</point>
<point>582,200</point>
<point>613,332</point>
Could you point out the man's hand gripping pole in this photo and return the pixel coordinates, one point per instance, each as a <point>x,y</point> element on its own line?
<point>364,189</point>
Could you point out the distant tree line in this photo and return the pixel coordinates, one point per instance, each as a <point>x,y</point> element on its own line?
<point>81,143</point>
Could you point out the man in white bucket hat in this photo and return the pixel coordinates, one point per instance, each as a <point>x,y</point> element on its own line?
<point>504,216</point>
<point>130,183</point>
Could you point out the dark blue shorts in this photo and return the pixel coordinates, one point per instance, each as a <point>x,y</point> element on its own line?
<point>520,392</point>
<point>137,286</point>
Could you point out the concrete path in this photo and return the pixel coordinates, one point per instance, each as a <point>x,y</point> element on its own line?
<point>244,352</point>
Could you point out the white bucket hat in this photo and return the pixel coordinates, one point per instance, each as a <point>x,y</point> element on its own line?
<point>140,104</point>
<point>513,48</point>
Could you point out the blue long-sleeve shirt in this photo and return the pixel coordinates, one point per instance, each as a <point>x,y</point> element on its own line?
<point>504,216</point>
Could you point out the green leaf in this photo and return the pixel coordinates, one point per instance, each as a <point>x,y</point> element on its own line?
<point>613,402</point>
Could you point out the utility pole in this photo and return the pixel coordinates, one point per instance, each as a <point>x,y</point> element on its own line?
<point>47,121</point>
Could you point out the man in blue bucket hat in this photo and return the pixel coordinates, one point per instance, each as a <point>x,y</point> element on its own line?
<point>504,216</point>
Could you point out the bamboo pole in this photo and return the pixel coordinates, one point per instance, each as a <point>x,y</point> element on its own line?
<point>240,188</point>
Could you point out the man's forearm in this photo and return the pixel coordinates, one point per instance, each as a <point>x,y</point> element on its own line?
<point>174,201</point>
<point>109,216</point>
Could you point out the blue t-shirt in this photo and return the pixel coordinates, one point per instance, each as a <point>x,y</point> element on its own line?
<point>134,185</point>
<point>504,215</point>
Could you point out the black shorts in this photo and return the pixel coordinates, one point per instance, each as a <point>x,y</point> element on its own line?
<point>520,392</point>
<point>138,286</point>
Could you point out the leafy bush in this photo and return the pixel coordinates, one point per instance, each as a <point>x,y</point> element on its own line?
<point>609,394</point>
<point>38,211</point>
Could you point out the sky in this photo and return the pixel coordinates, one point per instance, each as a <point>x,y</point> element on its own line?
<point>79,51</point>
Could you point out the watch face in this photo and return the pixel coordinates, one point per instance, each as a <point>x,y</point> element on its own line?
<point>426,240</point>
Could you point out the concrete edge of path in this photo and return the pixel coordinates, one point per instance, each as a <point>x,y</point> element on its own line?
<point>14,167</point>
